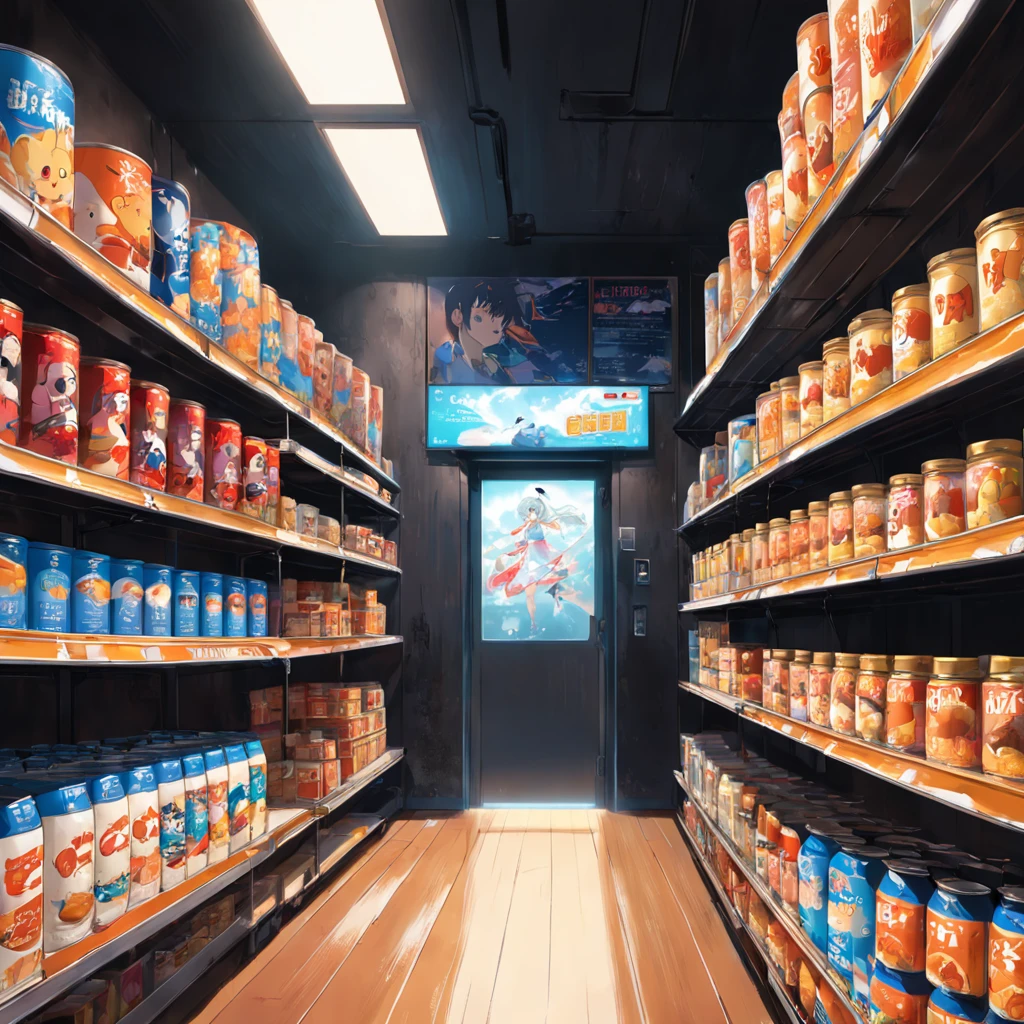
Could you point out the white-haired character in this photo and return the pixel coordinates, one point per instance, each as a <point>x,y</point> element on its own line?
<point>54,416</point>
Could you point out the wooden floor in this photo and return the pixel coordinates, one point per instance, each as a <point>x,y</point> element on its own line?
<point>504,916</point>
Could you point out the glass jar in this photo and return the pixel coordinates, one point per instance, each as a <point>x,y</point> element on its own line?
<point>760,566</point>
<point>999,240</point>
<point>952,299</point>
<point>1002,715</point>
<point>819,687</point>
<point>911,330</point>
<point>810,395</point>
<point>735,560</point>
<point>843,694</point>
<point>905,510</point>
<point>951,734</point>
<point>789,388</point>
<point>778,548</point>
<point>799,678</point>
<point>944,513</point>
<point>870,354</point>
<point>725,320</point>
<point>993,481</point>
<point>769,424</point>
<point>869,711</point>
<point>835,378</point>
<point>746,560</point>
<point>840,527</point>
<point>799,542</point>
<point>869,523</point>
<point>748,669</point>
<point>904,703</point>
<point>817,532</point>
<point>777,697</point>
<point>742,433</point>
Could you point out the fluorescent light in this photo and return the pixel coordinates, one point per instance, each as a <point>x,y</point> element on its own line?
<point>388,169</point>
<point>337,50</point>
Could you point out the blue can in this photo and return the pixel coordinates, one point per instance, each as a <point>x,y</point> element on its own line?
<point>820,846</point>
<point>126,594</point>
<point>212,604</point>
<point>90,595</point>
<point>258,599</point>
<point>205,278</point>
<point>186,603</point>
<point>1005,941</point>
<point>39,119</point>
<point>854,875</point>
<point>156,580</point>
<point>49,587</point>
<point>952,1009</point>
<point>234,606</point>
<point>168,280</point>
<point>13,581</point>
<point>742,435</point>
<point>897,997</point>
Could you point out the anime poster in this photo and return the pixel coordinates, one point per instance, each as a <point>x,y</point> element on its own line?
<point>632,331</point>
<point>537,419</point>
<point>537,559</point>
<point>508,330</point>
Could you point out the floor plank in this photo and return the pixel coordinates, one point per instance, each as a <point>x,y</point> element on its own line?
<point>567,986</point>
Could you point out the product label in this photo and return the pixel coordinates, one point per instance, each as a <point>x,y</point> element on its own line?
<point>899,933</point>
<point>1006,972</point>
<point>51,599</point>
<point>217,808</point>
<point>158,608</point>
<point>127,611</point>
<point>956,954</point>
<point>197,819</point>
<point>92,602</point>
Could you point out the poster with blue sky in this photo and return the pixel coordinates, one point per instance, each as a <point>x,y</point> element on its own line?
<point>537,559</point>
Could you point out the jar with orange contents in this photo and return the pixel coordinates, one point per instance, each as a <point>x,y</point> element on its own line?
<point>799,678</point>
<point>778,548</point>
<point>994,471</point>
<point>906,511</point>
<point>760,564</point>
<point>944,513</point>
<point>799,542</point>
<point>905,702</point>
<point>835,378</point>
<point>840,527</point>
<point>817,532</point>
<point>819,687</point>
<point>776,697</point>
<point>869,712</point>
<point>789,389</point>
<point>870,354</point>
<point>768,409</point>
<point>1002,697</point>
<point>951,733</point>
<point>869,520</point>
<point>745,576</point>
<point>842,694</point>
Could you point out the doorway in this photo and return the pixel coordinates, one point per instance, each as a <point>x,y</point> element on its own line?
<point>538,552</point>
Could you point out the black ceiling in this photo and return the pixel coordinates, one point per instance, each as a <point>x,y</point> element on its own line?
<point>632,126</point>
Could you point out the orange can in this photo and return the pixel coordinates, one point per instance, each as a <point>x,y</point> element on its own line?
<point>794,177</point>
<point>49,417</point>
<point>818,133</point>
<point>150,405</point>
<point>739,266</point>
<point>886,35</point>
<point>789,116</point>
<point>951,726</point>
<point>724,301</point>
<point>223,456</point>
<point>323,374</point>
<point>186,455</point>
<point>757,229</point>
<point>307,354</point>
<point>776,214</point>
<point>847,118</point>
<point>813,57</point>
<point>11,323</point>
<point>1002,693</point>
<point>103,442</point>
<point>114,206</point>
<point>273,483</point>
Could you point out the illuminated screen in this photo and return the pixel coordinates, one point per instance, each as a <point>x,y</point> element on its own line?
<point>552,418</point>
<point>537,559</point>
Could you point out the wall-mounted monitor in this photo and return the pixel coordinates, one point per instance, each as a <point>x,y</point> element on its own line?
<point>536,419</point>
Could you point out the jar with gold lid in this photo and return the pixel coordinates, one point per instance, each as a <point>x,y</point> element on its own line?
<point>769,424</point>
<point>799,678</point>
<point>911,330</point>
<point>869,709</point>
<point>835,378</point>
<point>870,354</point>
<point>819,687</point>
<point>1000,252</point>
<point>741,564</point>
<point>906,511</point>
<point>810,395</point>
<point>725,318</point>
<point>951,727</point>
<point>843,694</point>
<point>993,481</point>
<point>760,565</point>
<point>778,548</point>
<point>840,527</point>
<point>944,505</point>
<point>869,521</point>
<point>817,532</point>
<point>735,560</point>
<point>1002,696</point>
<point>776,696</point>
<point>952,292</point>
<point>799,542</point>
<point>789,388</point>
<point>904,702</point>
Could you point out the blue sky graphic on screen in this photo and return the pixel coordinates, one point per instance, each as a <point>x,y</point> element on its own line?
<point>537,418</point>
<point>537,559</point>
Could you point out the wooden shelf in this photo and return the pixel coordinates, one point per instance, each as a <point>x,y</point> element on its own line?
<point>985,796</point>
<point>903,173</point>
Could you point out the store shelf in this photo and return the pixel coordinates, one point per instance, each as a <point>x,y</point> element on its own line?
<point>330,853</point>
<point>984,796</point>
<point>352,785</point>
<point>906,169</point>
<point>789,921</point>
<point>25,647</point>
<point>153,1005</point>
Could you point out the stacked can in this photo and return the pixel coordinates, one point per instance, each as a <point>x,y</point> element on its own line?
<point>223,455</point>
<point>186,440</point>
<point>205,278</point>
<point>103,444</point>
<point>12,320</point>
<point>169,279</point>
<point>49,415</point>
<point>150,404</point>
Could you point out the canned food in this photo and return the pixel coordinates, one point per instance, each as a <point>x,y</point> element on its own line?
<point>821,845</point>
<point>869,520</point>
<point>951,721</point>
<point>127,591</point>
<point>211,604</point>
<point>799,672</point>
<point>150,405</point>
<point>842,694</point>
<point>186,602</point>
<point>778,548</point>
<point>799,542</point>
<point>223,455</point>
<point>38,123</point>
<point>911,330</point>
<point>323,375</point>
<point>789,116</point>
<point>157,581</point>
<point>776,197</point>
<point>286,514</point>
<point>819,687</point>
<point>375,423</point>
<point>1002,694</point>
<point>205,284</point>
<point>240,294</point>
<point>1000,243</point>
<point>869,710</point>
<point>254,475</point>
<point>817,117</point>
<point>306,354</point>
<point>49,587</point>
<point>944,507</point>
<point>273,483</point>
<point>946,1008</point>
<point>952,283</point>
<point>957,923</point>
<point>13,581</point>
<point>900,907</point>
<point>710,322</point>
<point>258,601</point>
<point>739,266</point>
<point>810,396</point>
<point>886,36</point>
<point>905,703</point>
<point>186,435</point>
<point>288,360</point>
<point>307,520</point>
<point>760,564</point>
<point>906,511</point>
<point>847,116</point>
<point>769,424</point>
<point>835,378</point>
<point>114,207</point>
<point>757,231</point>
<point>789,390</point>
<point>742,440</point>
<point>794,176</point>
<point>49,413</point>
<point>11,329</point>
<point>169,279</point>
<point>90,596</point>
<point>840,527</point>
<point>343,386</point>
<point>818,532</point>
<point>750,670</point>
<point>870,354</point>
<point>993,477</point>
<point>1005,964</point>
<point>896,996</point>
<point>270,333</point>
<point>813,55</point>
<point>103,442</point>
<point>357,422</point>
<point>235,606</point>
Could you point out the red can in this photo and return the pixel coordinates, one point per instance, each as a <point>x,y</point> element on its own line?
<point>186,440</point>
<point>254,476</point>
<point>49,419</point>
<point>150,405</point>
<point>11,320</point>
<point>104,447</point>
<point>273,483</point>
<point>223,463</point>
